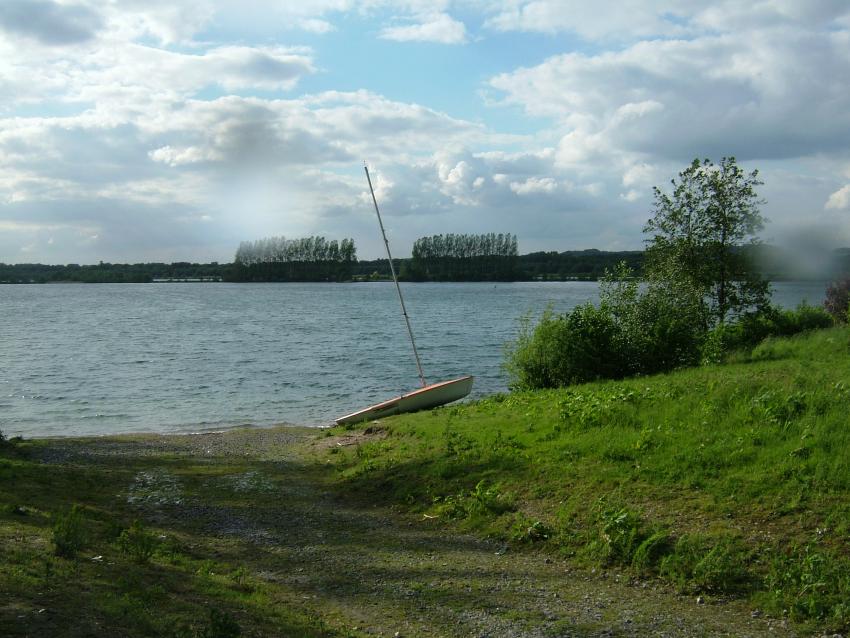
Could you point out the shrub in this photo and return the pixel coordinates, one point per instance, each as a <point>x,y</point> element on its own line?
<point>803,319</point>
<point>752,329</point>
<point>69,533</point>
<point>632,331</point>
<point>582,345</point>
<point>137,542</point>
<point>837,302</point>
<point>666,330</point>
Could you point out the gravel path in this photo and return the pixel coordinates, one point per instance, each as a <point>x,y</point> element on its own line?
<point>380,572</point>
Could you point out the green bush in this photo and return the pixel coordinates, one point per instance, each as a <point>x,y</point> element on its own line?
<point>640,329</point>
<point>69,532</point>
<point>632,331</point>
<point>579,346</point>
<point>751,329</point>
<point>665,331</point>
<point>837,302</point>
<point>138,543</point>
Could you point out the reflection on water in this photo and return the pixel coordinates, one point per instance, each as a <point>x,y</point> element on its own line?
<point>98,359</point>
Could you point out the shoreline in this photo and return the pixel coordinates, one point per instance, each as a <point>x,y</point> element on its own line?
<point>262,526</point>
<point>173,433</point>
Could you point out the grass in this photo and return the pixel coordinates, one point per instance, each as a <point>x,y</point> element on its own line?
<point>731,482</point>
<point>77,559</point>
<point>731,479</point>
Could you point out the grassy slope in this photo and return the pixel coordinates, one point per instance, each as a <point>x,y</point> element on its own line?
<point>726,479</point>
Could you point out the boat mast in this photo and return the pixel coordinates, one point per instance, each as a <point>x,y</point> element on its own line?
<point>395,279</point>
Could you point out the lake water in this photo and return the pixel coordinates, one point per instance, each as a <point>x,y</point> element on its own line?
<point>102,359</point>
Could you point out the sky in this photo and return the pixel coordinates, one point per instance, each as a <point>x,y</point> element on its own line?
<point>158,130</point>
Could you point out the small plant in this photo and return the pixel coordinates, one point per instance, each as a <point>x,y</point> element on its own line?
<point>457,445</point>
<point>698,563</point>
<point>222,625</point>
<point>481,501</point>
<point>138,543</point>
<point>650,551</point>
<point>810,583</point>
<point>69,533</point>
<point>525,530</point>
<point>621,535</point>
<point>837,302</point>
<point>484,499</point>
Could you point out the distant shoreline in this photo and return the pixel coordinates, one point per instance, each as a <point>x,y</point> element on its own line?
<point>825,279</point>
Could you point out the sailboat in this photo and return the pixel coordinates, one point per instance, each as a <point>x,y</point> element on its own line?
<point>425,397</point>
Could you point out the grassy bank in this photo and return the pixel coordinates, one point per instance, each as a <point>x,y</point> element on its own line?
<point>725,480</point>
<point>714,501</point>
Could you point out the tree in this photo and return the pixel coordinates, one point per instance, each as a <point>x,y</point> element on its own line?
<point>701,236</point>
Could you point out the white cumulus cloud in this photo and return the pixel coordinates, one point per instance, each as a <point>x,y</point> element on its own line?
<point>440,28</point>
<point>839,200</point>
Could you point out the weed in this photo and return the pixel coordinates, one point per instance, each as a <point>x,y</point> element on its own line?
<point>457,445</point>
<point>620,534</point>
<point>69,533</point>
<point>699,563</point>
<point>138,543</point>
<point>526,530</point>
<point>220,625</point>
<point>484,500</point>
<point>651,550</point>
<point>810,583</point>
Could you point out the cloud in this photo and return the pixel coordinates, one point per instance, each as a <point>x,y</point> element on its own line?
<point>182,124</point>
<point>634,20</point>
<point>770,95</point>
<point>315,25</point>
<point>49,22</point>
<point>439,27</point>
<point>839,200</point>
<point>604,18</point>
<point>534,185</point>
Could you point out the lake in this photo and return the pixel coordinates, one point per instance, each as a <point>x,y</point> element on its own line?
<point>79,359</point>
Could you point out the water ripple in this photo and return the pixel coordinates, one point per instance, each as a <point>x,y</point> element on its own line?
<point>107,359</point>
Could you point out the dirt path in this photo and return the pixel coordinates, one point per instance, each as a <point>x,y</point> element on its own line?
<point>370,571</point>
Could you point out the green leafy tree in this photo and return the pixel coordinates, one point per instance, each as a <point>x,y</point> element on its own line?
<point>701,235</point>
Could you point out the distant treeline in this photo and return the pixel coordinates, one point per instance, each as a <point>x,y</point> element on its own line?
<point>111,273</point>
<point>451,257</point>
<point>304,259</point>
<point>571,265</point>
<point>316,259</point>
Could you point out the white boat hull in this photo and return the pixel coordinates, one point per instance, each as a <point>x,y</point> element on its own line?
<point>430,396</point>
